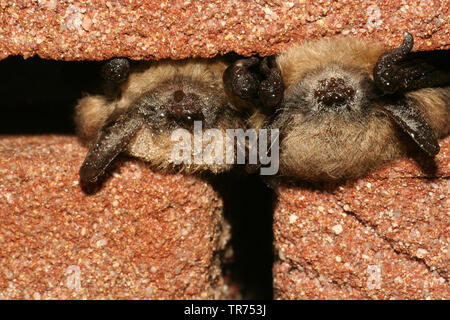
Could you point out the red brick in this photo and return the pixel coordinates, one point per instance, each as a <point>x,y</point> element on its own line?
<point>385,236</point>
<point>142,235</point>
<point>96,30</point>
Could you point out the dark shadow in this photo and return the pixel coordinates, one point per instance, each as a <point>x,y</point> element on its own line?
<point>38,96</point>
<point>249,206</point>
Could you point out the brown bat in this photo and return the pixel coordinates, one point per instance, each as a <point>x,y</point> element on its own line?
<point>346,106</point>
<point>141,109</point>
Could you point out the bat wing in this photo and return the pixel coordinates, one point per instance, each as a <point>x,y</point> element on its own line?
<point>412,122</point>
<point>111,140</point>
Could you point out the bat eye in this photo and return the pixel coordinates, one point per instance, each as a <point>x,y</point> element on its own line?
<point>333,91</point>
<point>185,108</point>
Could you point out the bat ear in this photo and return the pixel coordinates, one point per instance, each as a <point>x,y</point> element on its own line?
<point>111,140</point>
<point>271,89</point>
<point>116,70</point>
<point>240,80</point>
<point>413,123</point>
<point>254,80</point>
<point>400,70</point>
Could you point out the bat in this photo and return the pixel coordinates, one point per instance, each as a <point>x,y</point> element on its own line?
<point>141,107</point>
<point>345,106</point>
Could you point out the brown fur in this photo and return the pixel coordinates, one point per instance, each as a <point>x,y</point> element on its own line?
<point>154,144</point>
<point>332,146</point>
<point>350,52</point>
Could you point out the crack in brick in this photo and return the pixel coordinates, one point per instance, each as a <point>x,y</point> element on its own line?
<point>366,223</point>
<point>309,269</point>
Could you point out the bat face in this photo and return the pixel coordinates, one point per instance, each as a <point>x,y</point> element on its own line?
<point>151,104</point>
<point>328,127</point>
<point>349,106</point>
<point>330,91</point>
<point>337,123</point>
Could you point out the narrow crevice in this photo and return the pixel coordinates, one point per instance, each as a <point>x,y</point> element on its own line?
<point>38,96</point>
<point>249,206</point>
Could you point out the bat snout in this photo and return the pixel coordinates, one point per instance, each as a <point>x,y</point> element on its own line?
<point>184,108</point>
<point>333,92</point>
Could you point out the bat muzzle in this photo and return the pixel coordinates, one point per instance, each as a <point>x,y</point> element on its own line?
<point>184,108</point>
<point>333,92</point>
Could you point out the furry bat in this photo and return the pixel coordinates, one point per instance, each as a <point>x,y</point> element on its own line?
<point>141,108</point>
<point>346,106</point>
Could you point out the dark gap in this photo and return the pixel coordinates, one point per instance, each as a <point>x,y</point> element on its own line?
<point>38,96</point>
<point>249,206</point>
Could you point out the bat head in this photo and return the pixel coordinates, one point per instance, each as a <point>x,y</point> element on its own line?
<point>151,105</point>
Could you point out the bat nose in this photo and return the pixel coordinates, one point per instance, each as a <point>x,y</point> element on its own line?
<point>333,92</point>
<point>178,96</point>
<point>185,108</point>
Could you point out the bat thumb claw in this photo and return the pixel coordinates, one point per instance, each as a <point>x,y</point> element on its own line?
<point>88,173</point>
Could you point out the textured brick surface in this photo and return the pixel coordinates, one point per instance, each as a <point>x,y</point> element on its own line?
<point>141,235</point>
<point>76,30</point>
<point>383,237</point>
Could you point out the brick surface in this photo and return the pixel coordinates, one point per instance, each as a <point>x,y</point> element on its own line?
<point>140,235</point>
<point>385,236</point>
<point>96,30</point>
